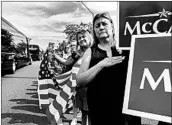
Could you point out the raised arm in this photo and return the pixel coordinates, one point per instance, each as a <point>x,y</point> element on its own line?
<point>63,61</point>
<point>60,59</point>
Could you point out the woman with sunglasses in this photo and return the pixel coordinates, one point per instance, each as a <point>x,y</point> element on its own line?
<point>103,70</point>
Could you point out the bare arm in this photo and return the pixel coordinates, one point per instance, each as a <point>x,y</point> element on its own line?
<point>60,59</point>
<point>85,75</point>
<point>63,61</point>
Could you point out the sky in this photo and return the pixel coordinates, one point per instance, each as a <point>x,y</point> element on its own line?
<point>45,21</point>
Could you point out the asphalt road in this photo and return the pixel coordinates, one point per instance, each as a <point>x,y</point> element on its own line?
<point>19,100</point>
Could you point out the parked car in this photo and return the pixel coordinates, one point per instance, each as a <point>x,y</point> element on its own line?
<point>12,61</point>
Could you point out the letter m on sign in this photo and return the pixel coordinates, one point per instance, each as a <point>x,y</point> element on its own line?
<point>165,76</point>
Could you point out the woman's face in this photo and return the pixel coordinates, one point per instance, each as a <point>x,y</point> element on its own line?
<point>103,28</point>
<point>73,46</point>
<point>83,40</point>
<point>68,49</point>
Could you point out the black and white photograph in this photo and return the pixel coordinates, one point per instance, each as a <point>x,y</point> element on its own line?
<point>86,62</point>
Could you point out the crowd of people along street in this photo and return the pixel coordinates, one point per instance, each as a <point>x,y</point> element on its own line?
<point>100,81</point>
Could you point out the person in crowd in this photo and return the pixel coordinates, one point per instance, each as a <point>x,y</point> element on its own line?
<point>74,46</point>
<point>55,66</point>
<point>70,61</point>
<point>103,70</point>
<point>48,57</point>
<point>84,39</point>
<point>67,51</point>
<point>48,68</point>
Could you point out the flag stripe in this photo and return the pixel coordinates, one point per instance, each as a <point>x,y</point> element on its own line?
<point>44,96</point>
<point>44,101</point>
<point>54,91</point>
<point>67,90</point>
<point>61,77</point>
<point>44,86</point>
<point>43,91</point>
<point>58,106</point>
<point>50,113</point>
<point>53,96</point>
<point>64,95</point>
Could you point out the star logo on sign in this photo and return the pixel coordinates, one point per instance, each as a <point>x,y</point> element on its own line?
<point>163,13</point>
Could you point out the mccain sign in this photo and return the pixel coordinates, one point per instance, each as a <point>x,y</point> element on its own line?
<point>138,18</point>
<point>148,85</point>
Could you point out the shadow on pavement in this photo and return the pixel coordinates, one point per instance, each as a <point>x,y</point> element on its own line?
<point>24,101</point>
<point>30,108</point>
<point>34,85</point>
<point>31,89</point>
<point>25,118</point>
<point>33,95</point>
<point>34,114</point>
<point>29,105</point>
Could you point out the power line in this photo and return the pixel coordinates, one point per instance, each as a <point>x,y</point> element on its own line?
<point>87,8</point>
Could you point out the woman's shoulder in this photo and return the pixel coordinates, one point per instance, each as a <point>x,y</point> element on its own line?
<point>87,52</point>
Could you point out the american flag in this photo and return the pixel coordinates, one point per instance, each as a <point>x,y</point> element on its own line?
<point>47,91</point>
<point>59,104</point>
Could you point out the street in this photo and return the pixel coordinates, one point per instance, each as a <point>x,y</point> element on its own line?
<point>20,101</point>
<point>19,98</point>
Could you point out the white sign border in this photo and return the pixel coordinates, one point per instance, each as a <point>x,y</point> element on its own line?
<point>125,109</point>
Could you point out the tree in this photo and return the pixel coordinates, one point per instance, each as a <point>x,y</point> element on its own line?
<point>72,29</point>
<point>7,41</point>
<point>21,47</point>
<point>6,38</point>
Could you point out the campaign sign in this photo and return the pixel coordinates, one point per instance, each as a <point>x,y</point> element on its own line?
<point>143,17</point>
<point>148,86</point>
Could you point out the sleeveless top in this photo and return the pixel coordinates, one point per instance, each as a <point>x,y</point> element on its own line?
<point>75,56</point>
<point>106,91</point>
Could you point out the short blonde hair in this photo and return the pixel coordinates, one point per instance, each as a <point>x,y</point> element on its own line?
<point>89,35</point>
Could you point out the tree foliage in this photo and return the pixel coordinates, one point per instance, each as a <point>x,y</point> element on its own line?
<point>21,47</point>
<point>6,38</point>
<point>7,41</point>
<point>72,29</point>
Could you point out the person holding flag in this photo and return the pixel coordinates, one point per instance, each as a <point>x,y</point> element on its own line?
<point>45,76</point>
<point>49,67</point>
<point>68,81</point>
